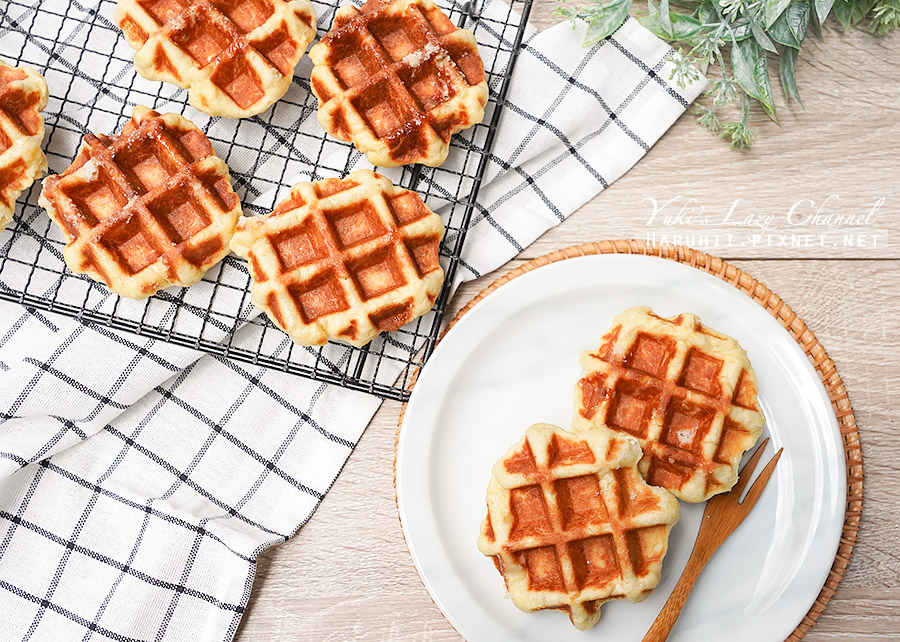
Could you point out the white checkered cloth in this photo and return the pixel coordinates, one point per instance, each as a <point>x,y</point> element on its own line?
<point>139,481</point>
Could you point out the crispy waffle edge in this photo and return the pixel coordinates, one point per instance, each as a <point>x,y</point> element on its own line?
<point>719,471</point>
<point>582,603</point>
<point>135,285</point>
<point>24,149</point>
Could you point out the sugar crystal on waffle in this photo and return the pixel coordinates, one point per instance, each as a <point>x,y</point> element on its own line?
<point>23,95</point>
<point>145,209</point>
<point>398,79</point>
<point>235,57</point>
<point>571,524</point>
<point>343,259</point>
<point>686,392</point>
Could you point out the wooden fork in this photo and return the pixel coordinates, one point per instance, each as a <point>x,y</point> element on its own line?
<point>722,515</point>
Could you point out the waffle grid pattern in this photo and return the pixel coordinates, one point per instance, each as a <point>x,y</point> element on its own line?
<point>572,524</point>
<point>686,392</point>
<point>344,258</point>
<point>144,209</point>
<point>788,318</point>
<point>236,57</point>
<point>385,67</point>
<point>23,94</point>
<point>90,90</point>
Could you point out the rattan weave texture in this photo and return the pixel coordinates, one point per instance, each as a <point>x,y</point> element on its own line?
<point>815,351</point>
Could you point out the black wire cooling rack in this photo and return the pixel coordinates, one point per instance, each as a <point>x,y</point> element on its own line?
<point>93,88</point>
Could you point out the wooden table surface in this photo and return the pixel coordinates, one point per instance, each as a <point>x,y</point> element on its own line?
<point>347,574</point>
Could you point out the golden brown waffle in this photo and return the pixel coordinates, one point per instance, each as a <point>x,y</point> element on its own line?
<point>23,94</point>
<point>149,208</point>
<point>686,392</point>
<point>343,259</point>
<point>398,79</point>
<point>236,57</point>
<point>571,524</point>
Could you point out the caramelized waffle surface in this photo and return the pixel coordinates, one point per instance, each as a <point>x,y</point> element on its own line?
<point>343,259</point>
<point>398,79</point>
<point>571,524</point>
<point>235,57</point>
<point>149,208</point>
<point>23,94</point>
<point>686,392</point>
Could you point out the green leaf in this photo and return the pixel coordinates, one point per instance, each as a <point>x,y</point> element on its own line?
<point>775,8</point>
<point>651,22</point>
<point>850,12</point>
<point>665,19</point>
<point>798,20</point>
<point>885,17</point>
<point>786,68</point>
<point>759,35</point>
<point>748,63</point>
<point>683,27</point>
<point>606,22</point>
<point>816,24</point>
<point>790,28</point>
<point>742,65</point>
<point>708,13</point>
<point>823,8</point>
<point>741,29</point>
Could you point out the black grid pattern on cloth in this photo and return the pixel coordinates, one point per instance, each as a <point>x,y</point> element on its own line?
<point>95,91</point>
<point>127,442</point>
<point>643,75</point>
<point>142,478</point>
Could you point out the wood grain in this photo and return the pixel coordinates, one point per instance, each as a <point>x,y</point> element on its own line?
<point>723,514</point>
<point>841,147</point>
<point>347,574</point>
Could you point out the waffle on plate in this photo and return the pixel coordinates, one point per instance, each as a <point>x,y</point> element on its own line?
<point>146,209</point>
<point>685,391</point>
<point>23,94</point>
<point>398,79</point>
<point>343,259</point>
<point>235,57</point>
<point>571,524</point>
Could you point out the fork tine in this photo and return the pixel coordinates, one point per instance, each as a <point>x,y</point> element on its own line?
<point>760,484</point>
<point>747,471</point>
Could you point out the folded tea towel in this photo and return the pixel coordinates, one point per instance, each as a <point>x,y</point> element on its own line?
<point>138,480</point>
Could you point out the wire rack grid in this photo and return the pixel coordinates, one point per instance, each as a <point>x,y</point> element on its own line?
<point>93,88</point>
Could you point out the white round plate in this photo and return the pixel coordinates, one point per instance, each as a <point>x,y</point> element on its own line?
<point>512,361</point>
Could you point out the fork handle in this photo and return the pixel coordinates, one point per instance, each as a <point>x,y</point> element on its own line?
<point>667,617</point>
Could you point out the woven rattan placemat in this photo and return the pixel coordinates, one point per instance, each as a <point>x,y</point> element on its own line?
<point>814,350</point>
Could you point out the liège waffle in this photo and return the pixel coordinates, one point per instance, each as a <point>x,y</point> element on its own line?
<point>571,524</point>
<point>343,259</point>
<point>149,208</point>
<point>398,79</point>
<point>686,392</point>
<point>235,57</point>
<point>23,94</point>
